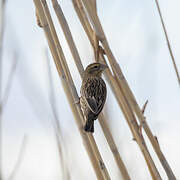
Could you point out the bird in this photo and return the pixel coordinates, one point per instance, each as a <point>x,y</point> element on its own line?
<point>93,94</point>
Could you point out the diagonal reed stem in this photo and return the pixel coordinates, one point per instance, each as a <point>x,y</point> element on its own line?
<point>168,42</point>
<point>126,90</point>
<point>112,81</point>
<point>56,123</point>
<point>69,88</point>
<point>117,81</point>
<point>77,60</point>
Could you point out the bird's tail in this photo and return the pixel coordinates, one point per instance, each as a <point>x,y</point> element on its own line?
<point>89,126</point>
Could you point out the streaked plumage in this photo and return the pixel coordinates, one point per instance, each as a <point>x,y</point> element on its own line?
<point>93,94</point>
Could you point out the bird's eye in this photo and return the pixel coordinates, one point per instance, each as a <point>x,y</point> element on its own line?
<point>95,67</point>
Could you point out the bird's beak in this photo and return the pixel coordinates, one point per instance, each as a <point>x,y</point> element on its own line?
<point>103,67</point>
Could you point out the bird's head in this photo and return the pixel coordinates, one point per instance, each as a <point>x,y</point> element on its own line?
<point>95,69</point>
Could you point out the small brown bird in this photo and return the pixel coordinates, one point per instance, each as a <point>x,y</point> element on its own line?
<point>93,94</point>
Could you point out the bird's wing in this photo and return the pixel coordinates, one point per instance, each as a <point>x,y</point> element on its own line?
<point>95,94</point>
<point>92,103</point>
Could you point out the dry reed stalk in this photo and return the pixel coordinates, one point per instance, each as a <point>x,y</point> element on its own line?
<point>38,20</point>
<point>73,89</point>
<point>168,42</point>
<point>113,147</point>
<point>141,143</point>
<point>68,35</point>
<point>70,90</point>
<point>83,19</point>
<point>78,6</point>
<point>99,55</point>
<point>131,120</point>
<point>94,5</point>
<point>94,37</point>
<point>56,124</point>
<point>125,88</point>
<point>77,60</point>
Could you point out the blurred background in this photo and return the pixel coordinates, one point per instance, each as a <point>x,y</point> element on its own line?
<point>135,34</point>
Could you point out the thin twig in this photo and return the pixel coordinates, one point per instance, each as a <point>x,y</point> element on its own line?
<point>144,106</point>
<point>168,42</point>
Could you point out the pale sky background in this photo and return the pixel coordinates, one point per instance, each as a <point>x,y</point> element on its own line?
<point>136,38</point>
